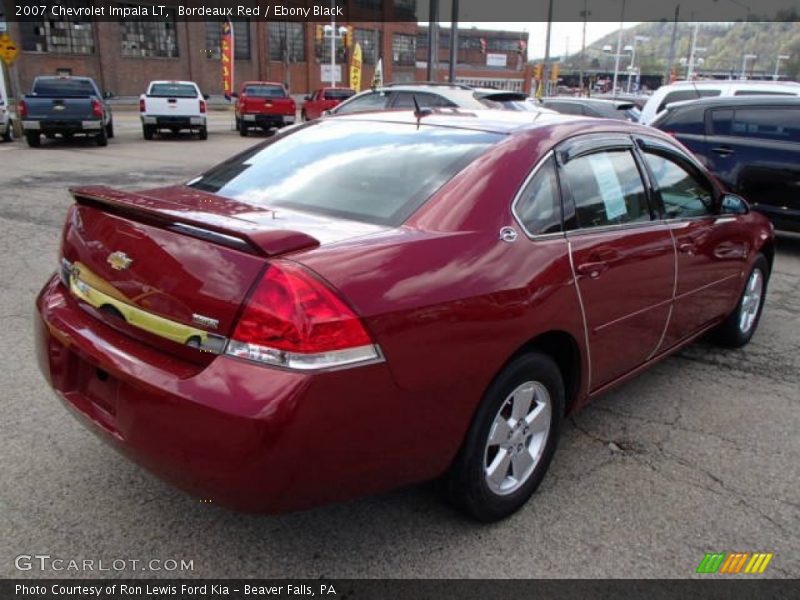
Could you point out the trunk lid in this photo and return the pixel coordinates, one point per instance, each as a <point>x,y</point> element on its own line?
<point>176,262</point>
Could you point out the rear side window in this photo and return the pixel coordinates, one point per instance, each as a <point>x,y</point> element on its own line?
<point>690,120</point>
<point>769,123</point>
<point>265,91</point>
<point>63,87</point>
<point>367,102</point>
<point>173,90</point>
<point>607,189</point>
<point>539,204</point>
<point>762,93</point>
<point>338,94</point>
<point>364,171</point>
<point>683,194</point>
<point>690,94</point>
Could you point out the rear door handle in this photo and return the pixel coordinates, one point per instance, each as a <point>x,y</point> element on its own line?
<point>592,269</point>
<point>723,150</point>
<point>687,247</point>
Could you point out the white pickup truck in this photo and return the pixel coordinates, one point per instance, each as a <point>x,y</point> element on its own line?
<point>173,105</point>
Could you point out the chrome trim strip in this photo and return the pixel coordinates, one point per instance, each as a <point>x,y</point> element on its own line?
<point>633,314</point>
<point>708,285</point>
<point>583,316</point>
<point>611,228</point>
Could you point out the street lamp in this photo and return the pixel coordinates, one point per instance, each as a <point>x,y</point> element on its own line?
<point>778,65</point>
<point>334,34</point>
<point>632,50</point>
<point>745,58</point>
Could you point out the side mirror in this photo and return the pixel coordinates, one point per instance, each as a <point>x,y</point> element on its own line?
<point>206,96</point>
<point>108,95</point>
<point>732,204</point>
<point>307,97</point>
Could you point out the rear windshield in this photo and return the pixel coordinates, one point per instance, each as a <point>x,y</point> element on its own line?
<point>338,94</point>
<point>372,172</point>
<point>63,87</point>
<point>173,90</point>
<point>265,91</point>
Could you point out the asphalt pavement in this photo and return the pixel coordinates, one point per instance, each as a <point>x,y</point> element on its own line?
<point>699,454</point>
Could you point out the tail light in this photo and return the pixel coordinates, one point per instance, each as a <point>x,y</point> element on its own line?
<point>23,109</point>
<point>202,106</point>
<point>293,320</point>
<point>97,108</point>
<point>142,105</point>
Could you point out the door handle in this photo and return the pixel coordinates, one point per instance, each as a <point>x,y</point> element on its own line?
<point>592,269</point>
<point>687,248</point>
<point>723,150</point>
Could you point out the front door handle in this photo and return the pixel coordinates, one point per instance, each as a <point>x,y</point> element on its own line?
<point>723,150</point>
<point>592,269</point>
<point>687,248</point>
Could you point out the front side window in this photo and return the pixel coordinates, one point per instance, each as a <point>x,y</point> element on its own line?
<point>367,102</point>
<point>539,204</point>
<point>683,194</point>
<point>607,189</point>
<point>370,172</point>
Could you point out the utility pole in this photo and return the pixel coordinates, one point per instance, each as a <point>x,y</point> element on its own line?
<point>619,50</point>
<point>585,14</point>
<point>453,42</point>
<point>690,68</point>
<point>433,38</point>
<point>671,59</point>
<point>546,74</point>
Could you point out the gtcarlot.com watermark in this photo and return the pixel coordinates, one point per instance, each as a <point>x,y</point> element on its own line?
<point>46,562</point>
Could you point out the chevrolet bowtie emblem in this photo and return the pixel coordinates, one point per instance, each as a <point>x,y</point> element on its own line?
<point>119,261</point>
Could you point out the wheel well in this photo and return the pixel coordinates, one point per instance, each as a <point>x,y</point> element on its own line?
<point>564,350</point>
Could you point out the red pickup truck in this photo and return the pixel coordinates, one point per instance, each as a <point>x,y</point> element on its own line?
<point>324,99</point>
<point>263,104</point>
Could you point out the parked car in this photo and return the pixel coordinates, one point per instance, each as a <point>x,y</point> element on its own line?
<point>66,106</point>
<point>751,143</point>
<point>506,100</point>
<point>324,99</point>
<point>401,96</point>
<point>370,301</point>
<point>692,90</point>
<point>173,105</point>
<point>6,122</point>
<point>265,105</point>
<point>593,107</point>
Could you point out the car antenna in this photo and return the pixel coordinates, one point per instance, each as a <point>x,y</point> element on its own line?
<point>420,112</point>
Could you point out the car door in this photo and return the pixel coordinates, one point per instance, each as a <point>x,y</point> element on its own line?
<point>711,247</point>
<point>623,258</point>
<point>755,150</point>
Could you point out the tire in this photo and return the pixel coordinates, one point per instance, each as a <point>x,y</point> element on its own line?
<point>303,116</point>
<point>528,446</point>
<point>148,131</point>
<point>101,138</point>
<point>238,124</point>
<point>110,130</point>
<point>203,133</point>
<point>243,131</point>
<point>738,328</point>
<point>34,139</point>
<point>8,136</point>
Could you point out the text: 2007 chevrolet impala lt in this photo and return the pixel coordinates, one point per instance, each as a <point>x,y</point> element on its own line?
<point>365,302</point>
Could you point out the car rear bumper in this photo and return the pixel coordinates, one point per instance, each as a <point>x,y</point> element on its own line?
<point>47,126</point>
<point>268,120</point>
<point>174,121</point>
<point>239,434</point>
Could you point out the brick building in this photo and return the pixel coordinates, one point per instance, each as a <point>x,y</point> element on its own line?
<point>124,56</point>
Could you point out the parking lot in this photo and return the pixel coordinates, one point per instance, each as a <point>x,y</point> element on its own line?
<point>700,453</point>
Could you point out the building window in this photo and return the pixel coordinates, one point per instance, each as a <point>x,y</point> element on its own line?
<point>288,38</point>
<point>58,36</point>
<point>370,4</point>
<point>502,45</point>
<point>150,39</point>
<point>370,40</point>
<point>323,50</point>
<point>404,51</point>
<point>405,8</point>
<point>241,39</point>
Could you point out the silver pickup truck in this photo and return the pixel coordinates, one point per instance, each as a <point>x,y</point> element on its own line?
<point>65,106</point>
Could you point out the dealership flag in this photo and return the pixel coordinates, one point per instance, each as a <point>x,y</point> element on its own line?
<point>377,80</point>
<point>355,68</point>
<point>226,43</point>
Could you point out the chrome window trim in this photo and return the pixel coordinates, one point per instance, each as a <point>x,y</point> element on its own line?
<point>611,228</point>
<point>535,237</point>
<point>583,318</point>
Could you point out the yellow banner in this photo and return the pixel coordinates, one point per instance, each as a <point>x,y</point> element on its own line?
<point>355,68</point>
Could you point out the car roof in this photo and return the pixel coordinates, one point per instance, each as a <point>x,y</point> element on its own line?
<point>727,82</point>
<point>734,101</point>
<point>171,81</point>
<point>491,121</point>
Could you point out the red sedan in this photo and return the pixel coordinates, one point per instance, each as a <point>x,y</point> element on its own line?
<point>370,301</point>
<point>324,99</point>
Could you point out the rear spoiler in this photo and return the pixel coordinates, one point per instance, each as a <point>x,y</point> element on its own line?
<point>215,228</point>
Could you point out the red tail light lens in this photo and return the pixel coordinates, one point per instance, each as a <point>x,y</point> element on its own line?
<point>294,320</point>
<point>97,108</point>
<point>142,105</point>
<point>23,109</point>
<point>202,106</point>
